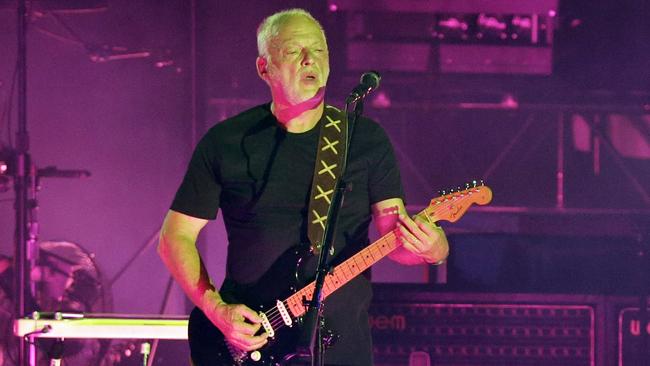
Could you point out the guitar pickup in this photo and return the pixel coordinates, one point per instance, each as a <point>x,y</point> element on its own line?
<point>286,318</point>
<point>266,324</point>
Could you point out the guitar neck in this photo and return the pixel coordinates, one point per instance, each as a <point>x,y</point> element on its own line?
<point>346,271</point>
<point>449,207</point>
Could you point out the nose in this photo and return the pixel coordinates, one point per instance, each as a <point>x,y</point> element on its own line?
<point>307,57</point>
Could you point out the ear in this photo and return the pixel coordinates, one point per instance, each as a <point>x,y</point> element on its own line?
<point>262,67</point>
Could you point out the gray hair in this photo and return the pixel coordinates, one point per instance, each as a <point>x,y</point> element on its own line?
<point>270,27</point>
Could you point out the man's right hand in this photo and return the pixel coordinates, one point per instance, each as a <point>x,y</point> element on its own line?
<point>177,248</point>
<point>238,323</point>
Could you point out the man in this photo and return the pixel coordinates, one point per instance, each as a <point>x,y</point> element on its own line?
<point>257,167</point>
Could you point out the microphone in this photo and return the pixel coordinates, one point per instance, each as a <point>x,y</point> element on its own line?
<point>369,81</point>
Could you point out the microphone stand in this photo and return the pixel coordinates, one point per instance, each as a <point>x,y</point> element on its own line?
<point>313,319</point>
<point>22,179</point>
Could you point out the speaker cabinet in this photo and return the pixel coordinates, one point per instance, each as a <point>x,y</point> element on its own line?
<point>482,329</point>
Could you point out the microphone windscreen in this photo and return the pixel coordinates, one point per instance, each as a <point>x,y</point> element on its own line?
<point>371,79</point>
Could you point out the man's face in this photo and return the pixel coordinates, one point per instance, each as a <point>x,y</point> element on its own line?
<point>298,62</point>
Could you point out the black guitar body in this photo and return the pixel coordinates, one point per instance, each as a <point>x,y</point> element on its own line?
<point>208,346</point>
<point>207,343</point>
<point>291,272</point>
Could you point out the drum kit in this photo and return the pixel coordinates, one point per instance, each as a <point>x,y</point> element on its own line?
<point>66,285</point>
<point>67,279</point>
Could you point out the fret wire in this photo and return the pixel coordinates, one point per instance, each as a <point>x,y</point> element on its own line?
<point>289,303</point>
<point>358,263</point>
<point>331,283</point>
<point>355,265</point>
<point>343,267</point>
<point>365,263</point>
<point>383,245</point>
<point>295,304</point>
<point>366,255</point>
<point>335,274</point>
<point>347,270</point>
<point>361,267</point>
<point>326,285</point>
<point>349,265</point>
<point>376,253</point>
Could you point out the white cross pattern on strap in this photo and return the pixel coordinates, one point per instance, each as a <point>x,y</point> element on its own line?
<point>319,219</point>
<point>330,152</point>
<point>323,194</point>
<point>334,123</point>
<point>327,168</point>
<point>330,145</point>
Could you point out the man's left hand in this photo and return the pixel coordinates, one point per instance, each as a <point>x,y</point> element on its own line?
<point>423,239</point>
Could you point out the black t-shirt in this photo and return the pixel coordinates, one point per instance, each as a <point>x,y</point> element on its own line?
<point>260,176</point>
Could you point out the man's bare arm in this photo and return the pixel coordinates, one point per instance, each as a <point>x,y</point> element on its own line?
<point>421,241</point>
<point>177,248</point>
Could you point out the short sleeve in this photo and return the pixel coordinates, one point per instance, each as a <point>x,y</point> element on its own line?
<point>384,179</point>
<point>198,194</point>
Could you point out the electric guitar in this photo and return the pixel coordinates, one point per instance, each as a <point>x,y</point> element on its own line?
<point>282,318</point>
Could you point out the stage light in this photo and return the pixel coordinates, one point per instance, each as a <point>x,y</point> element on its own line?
<point>451,27</point>
<point>381,100</point>
<point>491,27</point>
<point>522,28</point>
<point>6,159</point>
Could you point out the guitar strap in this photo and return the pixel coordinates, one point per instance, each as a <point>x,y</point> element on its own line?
<point>327,171</point>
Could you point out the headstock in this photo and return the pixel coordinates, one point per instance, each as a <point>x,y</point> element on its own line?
<point>453,204</point>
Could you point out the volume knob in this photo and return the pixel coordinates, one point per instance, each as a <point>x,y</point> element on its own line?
<point>256,356</point>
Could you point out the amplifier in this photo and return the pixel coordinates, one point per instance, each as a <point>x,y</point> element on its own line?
<point>482,329</point>
<point>633,333</point>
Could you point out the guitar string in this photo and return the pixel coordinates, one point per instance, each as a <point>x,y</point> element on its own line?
<point>275,317</point>
<point>276,320</point>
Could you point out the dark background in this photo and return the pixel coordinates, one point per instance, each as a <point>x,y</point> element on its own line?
<point>133,122</point>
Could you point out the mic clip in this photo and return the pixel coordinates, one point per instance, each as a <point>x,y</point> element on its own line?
<point>368,82</point>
